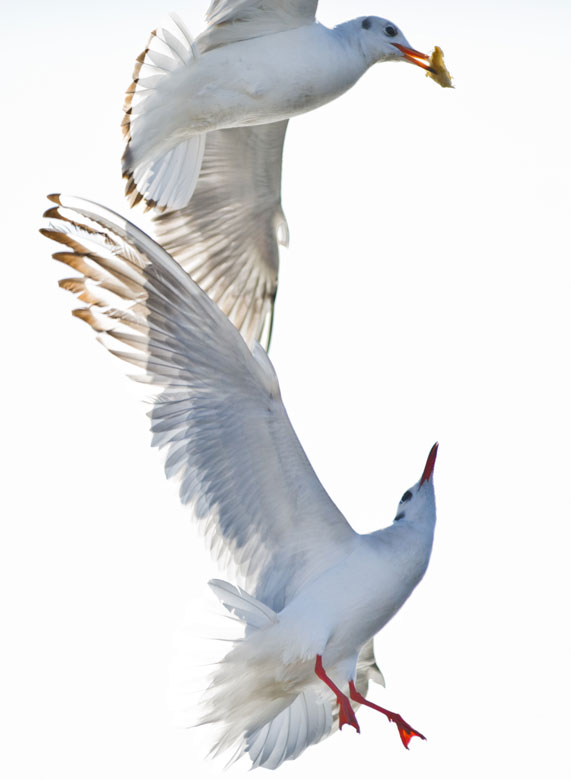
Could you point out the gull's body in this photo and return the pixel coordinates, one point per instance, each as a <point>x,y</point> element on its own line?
<point>207,119</point>
<point>316,591</point>
<point>336,613</point>
<point>252,82</point>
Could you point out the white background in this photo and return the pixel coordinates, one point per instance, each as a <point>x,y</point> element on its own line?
<point>425,296</point>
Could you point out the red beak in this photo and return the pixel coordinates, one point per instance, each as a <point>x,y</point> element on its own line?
<point>429,468</point>
<point>412,55</point>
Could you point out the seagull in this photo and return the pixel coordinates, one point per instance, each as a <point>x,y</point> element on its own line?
<point>209,117</point>
<point>310,592</point>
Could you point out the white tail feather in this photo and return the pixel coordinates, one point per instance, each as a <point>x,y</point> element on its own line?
<point>262,708</point>
<point>248,609</point>
<point>307,720</point>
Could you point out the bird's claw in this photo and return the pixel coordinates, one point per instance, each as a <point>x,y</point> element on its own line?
<point>406,732</point>
<point>347,714</point>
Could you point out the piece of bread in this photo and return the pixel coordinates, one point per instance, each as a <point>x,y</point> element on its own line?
<point>441,75</point>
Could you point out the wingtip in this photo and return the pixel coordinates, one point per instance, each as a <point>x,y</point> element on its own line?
<point>76,285</point>
<point>134,196</point>
<point>86,315</point>
<point>152,204</point>
<point>130,186</point>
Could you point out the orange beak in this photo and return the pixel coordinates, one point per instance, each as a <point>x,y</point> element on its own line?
<point>412,55</point>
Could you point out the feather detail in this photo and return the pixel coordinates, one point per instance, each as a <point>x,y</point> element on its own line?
<point>163,176</point>
<point>220,410</point>
<point>258,709</point>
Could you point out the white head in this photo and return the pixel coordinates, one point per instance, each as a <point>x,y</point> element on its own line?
<point>418,504</point>
<point>381,40</point>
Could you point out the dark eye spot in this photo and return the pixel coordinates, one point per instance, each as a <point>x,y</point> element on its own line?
<point>407,496</point>
<point>366,24</point>
<point>391,31</point>
<point>399,517</point>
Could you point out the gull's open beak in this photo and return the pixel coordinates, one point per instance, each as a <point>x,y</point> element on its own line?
<point>429,468</point>
<point>412,55</point>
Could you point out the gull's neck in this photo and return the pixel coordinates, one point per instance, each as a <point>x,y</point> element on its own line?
<point>408,541</point>
<point>349,35</point>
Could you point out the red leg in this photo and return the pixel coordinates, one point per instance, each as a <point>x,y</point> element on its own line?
<point>346,713</point>
<point>406,732</point>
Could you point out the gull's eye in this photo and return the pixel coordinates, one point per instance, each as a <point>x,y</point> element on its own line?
<point>366,24</point>
<point>391,30</point>
<point>407,496</point>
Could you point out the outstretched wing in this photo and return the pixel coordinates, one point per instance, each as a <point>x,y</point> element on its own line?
<point>227,237</point>
<point>219,417</point>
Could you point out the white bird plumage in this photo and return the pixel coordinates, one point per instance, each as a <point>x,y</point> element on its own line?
<point>207,119</point>
<point>314,591</point>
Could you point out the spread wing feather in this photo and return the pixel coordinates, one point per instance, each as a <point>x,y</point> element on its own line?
<point>219,417</point>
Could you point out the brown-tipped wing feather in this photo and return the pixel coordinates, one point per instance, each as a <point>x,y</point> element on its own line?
<point>159,169</point>
<point>219,417</point>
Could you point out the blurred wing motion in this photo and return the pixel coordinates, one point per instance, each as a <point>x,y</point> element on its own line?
<point>237,20</point>
<point>219,417</point>
<point>227,237</point>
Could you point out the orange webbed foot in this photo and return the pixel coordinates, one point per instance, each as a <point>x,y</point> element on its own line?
<point>347,714</point>
<point>406,732</point>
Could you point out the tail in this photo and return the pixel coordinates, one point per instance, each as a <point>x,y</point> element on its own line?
<point>162,174</point>
<point>306,721</point>
<point>262,708</point>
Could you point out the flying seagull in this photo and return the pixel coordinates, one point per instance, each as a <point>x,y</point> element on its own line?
<point>310,591</point>
<point>209,117</point>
